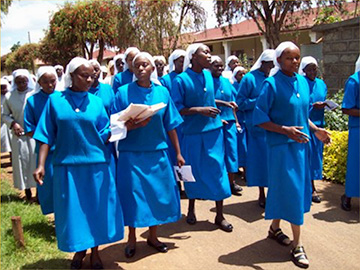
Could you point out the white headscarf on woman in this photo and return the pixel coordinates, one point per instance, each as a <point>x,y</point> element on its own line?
<point>236,70</point>
<point>154,76</point>
<point>5,82</point>
<point>41,71</point>
<point>357,65</point>
<point>116,57</point>
<point>128,50</point>
<point>215,58</point>
<point>71,67</point>
<point>174,56</point>
<point>267,56</point>
<point>279,50</point>
<point>22,72</point>
<point>191,49</point>
<point>306,61</point>
<point>95,62</point>
<point>228,60</point>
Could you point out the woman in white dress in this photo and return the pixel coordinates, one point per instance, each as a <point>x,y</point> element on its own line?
<point>5,138</point>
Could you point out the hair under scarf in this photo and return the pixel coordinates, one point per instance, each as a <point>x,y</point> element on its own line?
<point>279,50</point>
<point>25,73</point>
<point>174,56</point>
<point>116,57</point>
<point>128,50</point>
<point>154,76</point>
<point>236,70</point>
<point>71,67</point>
<point>267,56</point>
<point>228,60</point>
<point>191,49</point>
<point>41,71</point>
<point>304,62</point>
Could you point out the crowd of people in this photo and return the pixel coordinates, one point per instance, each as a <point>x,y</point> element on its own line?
<point>218,118</point>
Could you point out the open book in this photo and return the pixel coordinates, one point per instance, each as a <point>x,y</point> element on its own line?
<point>330,105</point>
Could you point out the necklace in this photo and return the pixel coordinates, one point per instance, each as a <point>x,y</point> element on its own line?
<point>76,105</point>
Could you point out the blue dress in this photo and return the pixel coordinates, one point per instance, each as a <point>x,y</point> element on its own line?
<point>121,79</point>
<point>257,150</point>
<point>33,109</point>
<point>226,92</point>
<point>242,135</point>
<point>145,177</point>
<point>285,101</point>
<point>352,100</point>
<point>203,141</point>
<point>318,92</point>
<point>86,204</point>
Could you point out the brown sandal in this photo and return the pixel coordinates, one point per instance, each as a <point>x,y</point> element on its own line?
<point>279,236</point>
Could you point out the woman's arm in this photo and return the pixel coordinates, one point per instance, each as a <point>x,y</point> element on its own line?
<point>175,142</point>
<point>293,132</point>
<point>352,112</point>
<point>39,173</point>
<point>206,111</point>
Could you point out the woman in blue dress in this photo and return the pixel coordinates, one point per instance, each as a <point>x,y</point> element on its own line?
<point>351,107</point>
<point>203,141</point>
<point>225,95</point>
<point>249,91</point>
<point>45,86</point>
<point>127,75</point>
<point>145,177</point>
<point>318,91</point>
<point>283,110</point>
<point>86,203</point>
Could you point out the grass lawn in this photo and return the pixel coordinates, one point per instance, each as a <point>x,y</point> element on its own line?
<point>41,250</point>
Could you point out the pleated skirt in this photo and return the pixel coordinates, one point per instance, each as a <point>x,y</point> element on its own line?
<point>352,188</point>
<point>231,151</point>
<point>316,157</point>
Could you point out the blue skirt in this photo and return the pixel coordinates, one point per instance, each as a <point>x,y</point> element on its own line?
<point>205,153</point>
<point>171,149</point>
<point>231,151</point>
<point>45,192</point>
<point>316,157</point>
<point>87,206</point>
<point>257,160</point>
<point>352,188</point>
<point>289,193</point>
<point>147,188</point>
<point>241,145</point>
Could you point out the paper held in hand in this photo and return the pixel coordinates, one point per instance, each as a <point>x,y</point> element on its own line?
<point>184,173</point>
<point>330,105</point>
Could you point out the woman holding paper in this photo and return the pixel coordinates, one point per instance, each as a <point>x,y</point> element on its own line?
<point>145,177</point>
<point>318,91</point>
<point>86,204</point>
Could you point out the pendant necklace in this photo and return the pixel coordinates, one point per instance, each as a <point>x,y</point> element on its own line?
<point>77,108</point>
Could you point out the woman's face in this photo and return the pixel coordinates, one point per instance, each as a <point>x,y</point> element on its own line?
<point>233,64</point>
<point>143,69</point>
<point>97,71</point>
<point>48,82</point>
<point>179,63</point>
<point>82,78</point>
<point>119,65</point>
<point>159,64</point>
<point>129,59</point>
<point>59,72</point>
<point>21,83</point>
<point>289,61</point>
<point>202,56</point>
<point>240,75</point>
<point>216,68</point>
<point>311,71</point>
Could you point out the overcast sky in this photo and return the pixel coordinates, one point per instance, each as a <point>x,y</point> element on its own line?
<point>32,17</point>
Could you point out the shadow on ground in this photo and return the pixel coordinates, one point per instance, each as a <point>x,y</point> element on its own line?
<point>49,264</point>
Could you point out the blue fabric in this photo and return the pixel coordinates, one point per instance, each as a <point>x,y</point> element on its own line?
<point>121,79</point>
<point>316,157</point>
<point>106,94</point>
<point>231,151</point>
<point>352,184</point>
<point>289,192</point>
<point>226,92</point>
<point>191,89</point>
<point>351,98</point>
<point>279,103</point>
<point>87,206</point>
<point>205,153</point>
<point>153,136</point>
<point>257,161</point>
<point>80,136</point>
<point>318,92</point>
<point>147,188</point>
<point>167,80</point>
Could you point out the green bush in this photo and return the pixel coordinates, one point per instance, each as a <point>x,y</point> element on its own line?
<point>336,120</point>
<point>335,156</point>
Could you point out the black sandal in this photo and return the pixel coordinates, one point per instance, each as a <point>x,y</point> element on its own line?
<point>279,236</point>
<point>299,257</point>
<point>224,225</point>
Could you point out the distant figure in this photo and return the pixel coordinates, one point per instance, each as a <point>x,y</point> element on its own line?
<point>5,136</point>
<point>60,85</point>
<point>160,63</point>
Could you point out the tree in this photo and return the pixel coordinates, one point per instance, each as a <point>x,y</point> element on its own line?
<point>23,57</point>
<point>15,46</point>
<point>5,4</point>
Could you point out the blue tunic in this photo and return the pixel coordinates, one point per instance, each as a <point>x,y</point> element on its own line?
<point>352,100</point>
<point>226,92</point>
<point>121,79</point>
<point>86,205</point>
<point>145,177</point>
<point>203,141</point>
<point>33,109</point>
<point>285,101</point>
<point>167,80</point>
<point>318,92</point>
<point>257,153</point>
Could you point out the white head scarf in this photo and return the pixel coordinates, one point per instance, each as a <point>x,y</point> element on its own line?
<point>59,67</point>
<point>41,71</point>
<point>128,50</point>
<point>215,58</point>
<point>116,57</point>
<point>154,76</point>
<point>174,56</point>
<point>191,49</point>
<point>5,82</point>
<point>160,58</point>
<point>357,65</point>
<point>94,61</point>
<point>228,60</point>
<point>71,67</point>
<point>22,72</point>
<point>304,62</point>
<point>279,50</point>
<point>236,70</point>
<point>104,69</point>
<point>267,55</point>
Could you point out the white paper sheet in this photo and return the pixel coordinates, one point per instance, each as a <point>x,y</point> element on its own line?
<point>184,173</point>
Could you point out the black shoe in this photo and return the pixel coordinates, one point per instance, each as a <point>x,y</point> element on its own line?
<point>76,264</point>
<point>191,219</point>
<point>236,189</point>
<point>96,265</point>
<point>345,205</point>
<point>129,252</point>
<point>224,225</point>
<point>161,247</point>
<point>316,198</point>
<point>262,204</point>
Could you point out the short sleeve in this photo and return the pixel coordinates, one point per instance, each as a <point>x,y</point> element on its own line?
<point>172,117</point>
<point>243,97</point>
<point>29,118</point>
<point>116,83</point>
<point>178,94</point>
<point>263,105</point>
<point>350,95</point>
<point>46,129</point>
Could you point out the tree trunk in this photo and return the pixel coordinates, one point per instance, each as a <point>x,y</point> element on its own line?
<point>101,50</point>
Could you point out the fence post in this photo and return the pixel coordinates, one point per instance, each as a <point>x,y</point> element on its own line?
<point>18,231</point>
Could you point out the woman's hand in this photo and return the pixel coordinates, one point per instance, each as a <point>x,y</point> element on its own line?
<point>295,134</point>
<point>319,105</point>
<point>132,124</point>
<point>323,135</point>
<point>39,174</point>
<point>224,122</point>
<point>18,130</point>
<point>209,111</point>
<point>180,160</point>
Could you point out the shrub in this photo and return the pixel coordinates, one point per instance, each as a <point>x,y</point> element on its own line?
<point>336,120</point>
<point>335,156</point>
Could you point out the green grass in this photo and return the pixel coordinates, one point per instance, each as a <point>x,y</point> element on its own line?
<point>41,250</point>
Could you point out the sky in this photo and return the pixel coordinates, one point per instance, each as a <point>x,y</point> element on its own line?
<point>32,17</point>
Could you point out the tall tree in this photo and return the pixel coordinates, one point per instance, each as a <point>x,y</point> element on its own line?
<point>23,57</point>
<point>5,4</point>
